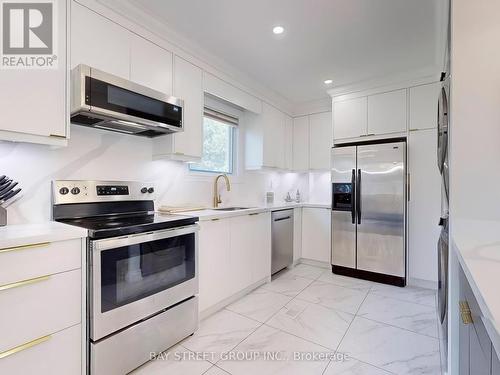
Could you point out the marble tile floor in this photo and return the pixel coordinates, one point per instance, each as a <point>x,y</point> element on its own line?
<point>310,321</point>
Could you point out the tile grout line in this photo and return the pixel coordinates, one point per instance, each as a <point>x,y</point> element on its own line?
<point>372,365</point>
<point>347,330</point>
<point>278,329</point>
<point>234,347</point>
<point>394,326</point>
<point>211,367</point>
<point>400,299</point>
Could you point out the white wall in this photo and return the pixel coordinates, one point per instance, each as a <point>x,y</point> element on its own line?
<point>98,154</point>
<point>475,109</point>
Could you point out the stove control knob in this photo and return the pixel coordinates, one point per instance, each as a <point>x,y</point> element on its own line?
<point>63,191</point>
<point>151,190</point>
<point>144,190</point>
<point>75,191</point>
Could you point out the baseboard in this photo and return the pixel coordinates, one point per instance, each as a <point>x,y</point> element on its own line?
<point>227,301</point>
<point>371,276</point>
<point>315,263</point>
<point>421,283</point>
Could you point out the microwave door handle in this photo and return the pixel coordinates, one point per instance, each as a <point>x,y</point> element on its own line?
<point>358,196</point>
<point>353,196</point>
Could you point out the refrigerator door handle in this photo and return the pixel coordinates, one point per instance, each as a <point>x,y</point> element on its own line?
<point>353,196</point>
<point>358,196</point>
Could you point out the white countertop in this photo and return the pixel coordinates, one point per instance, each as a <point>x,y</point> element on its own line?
<point>477,244</point>
<point>50,231</point>
<point>209,214</point>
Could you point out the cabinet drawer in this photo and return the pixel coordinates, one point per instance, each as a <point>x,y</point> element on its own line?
<point>58,354</point>
<point>34,260</point>
<point>478,326</point>
<point>39,307</point>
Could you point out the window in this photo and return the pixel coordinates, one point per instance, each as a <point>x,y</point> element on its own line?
<point>218,143</point>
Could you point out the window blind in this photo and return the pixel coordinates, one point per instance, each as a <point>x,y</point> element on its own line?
<point>219,116</point>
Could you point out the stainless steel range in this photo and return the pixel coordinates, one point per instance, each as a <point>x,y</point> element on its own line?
<point>142,271</point>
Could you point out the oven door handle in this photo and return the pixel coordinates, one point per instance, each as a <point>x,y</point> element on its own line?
<point>133,239</point>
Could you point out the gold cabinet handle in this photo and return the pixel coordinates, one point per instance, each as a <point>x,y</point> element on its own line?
<point>22,347</point>
<point>215,219</point>
<point>254,213</point>
<point>465,312</point>
<point>24,247</point>
<point>24,282</point>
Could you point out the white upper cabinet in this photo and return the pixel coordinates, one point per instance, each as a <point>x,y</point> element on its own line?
<point>350,118</point>
<point>150,65</point>
<point>321,140</point>
<point>225,91</point>
<point>33,103</point>
<point>300,160</point>
<point>387,112</point>
<point>265,136</point>
<point>99,42</point>
<point>288,142</point>
<point>274,137</point>
<point>423,106</point>
<point>185,145</point>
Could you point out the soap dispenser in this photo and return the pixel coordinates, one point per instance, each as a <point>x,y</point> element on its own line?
<point>297,196</point>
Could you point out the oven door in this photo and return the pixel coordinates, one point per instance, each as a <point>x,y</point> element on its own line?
<point>134,277</point>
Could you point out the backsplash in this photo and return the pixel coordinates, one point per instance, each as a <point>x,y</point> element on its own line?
<point>95,154</point>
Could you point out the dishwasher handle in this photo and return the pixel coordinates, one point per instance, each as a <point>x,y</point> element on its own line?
<point>283,218</point>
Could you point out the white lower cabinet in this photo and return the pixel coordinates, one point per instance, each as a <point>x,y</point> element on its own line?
<point>56,354</point>
<point>234,254</point>
<point>242,245</point>
<point>316,229</point>
<point>52,298</point>
<point>41,309</point>
<point>260,246</point>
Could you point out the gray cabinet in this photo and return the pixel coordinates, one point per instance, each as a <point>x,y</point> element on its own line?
<point>495,364</point>
<point>477,355</point>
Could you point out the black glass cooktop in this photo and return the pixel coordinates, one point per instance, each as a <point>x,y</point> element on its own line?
<point>119,225</point>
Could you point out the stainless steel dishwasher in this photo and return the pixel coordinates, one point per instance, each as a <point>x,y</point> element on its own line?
<point>282,240</point>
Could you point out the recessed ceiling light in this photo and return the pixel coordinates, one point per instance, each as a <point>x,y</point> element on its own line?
<point>278,29</point>
<point>328,81</point>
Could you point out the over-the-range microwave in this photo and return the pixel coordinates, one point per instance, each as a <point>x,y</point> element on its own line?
<point>105,101</point>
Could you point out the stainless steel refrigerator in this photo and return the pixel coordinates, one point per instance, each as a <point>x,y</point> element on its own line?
<point>369,211</point>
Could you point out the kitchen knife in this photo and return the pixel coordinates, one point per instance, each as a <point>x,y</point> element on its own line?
<point>2,177</point>
<point>5,183</point>
<point>9,195</point>
<point>7,188</point>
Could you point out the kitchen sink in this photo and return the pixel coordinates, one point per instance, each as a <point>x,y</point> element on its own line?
<point>231,208</point>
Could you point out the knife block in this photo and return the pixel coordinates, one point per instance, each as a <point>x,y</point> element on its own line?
<point>3,217</point>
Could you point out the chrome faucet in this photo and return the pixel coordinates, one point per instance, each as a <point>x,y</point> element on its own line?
<point>217,199</point>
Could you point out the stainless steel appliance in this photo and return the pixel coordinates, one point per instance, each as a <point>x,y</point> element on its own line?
<point>369,210</point>
<point>282,240</point>
<point>443,242</point>
<point>142,278</point>
<point>104,101</point>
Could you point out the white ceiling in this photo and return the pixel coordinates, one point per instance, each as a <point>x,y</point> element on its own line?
<point>348,41</point>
